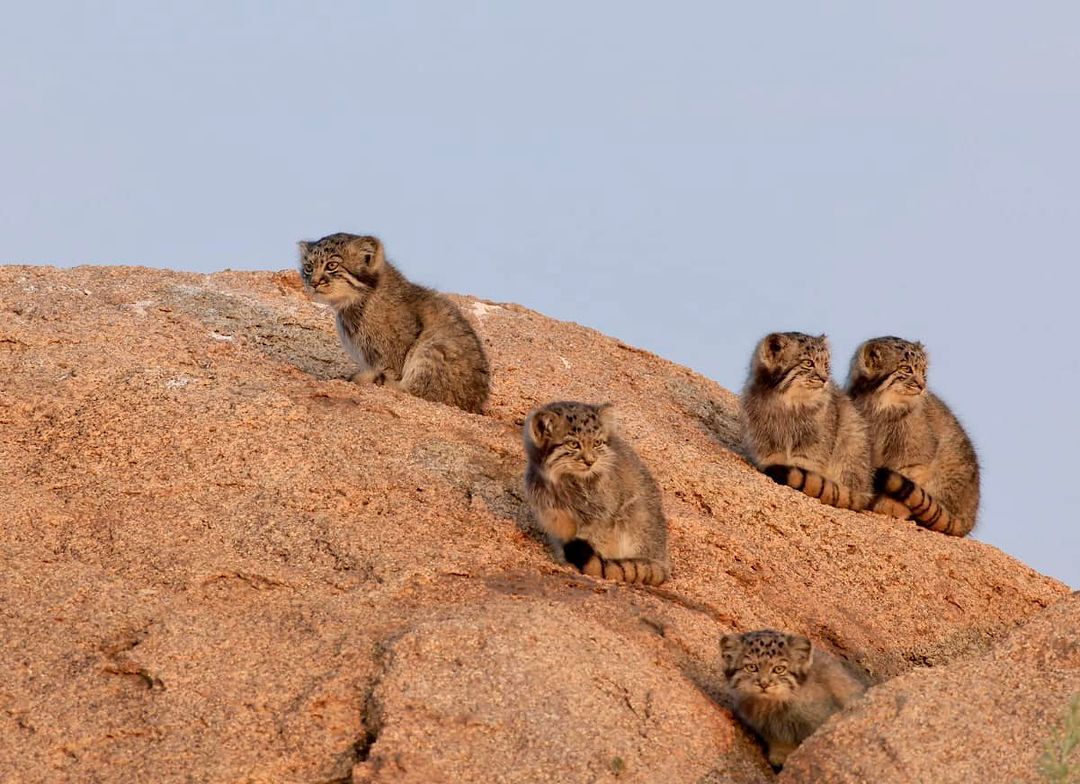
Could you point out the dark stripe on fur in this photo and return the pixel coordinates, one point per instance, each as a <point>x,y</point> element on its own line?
<point>778,473</point>
<point>828,492</point>
<point>928,512</point>
<point>578,552</point>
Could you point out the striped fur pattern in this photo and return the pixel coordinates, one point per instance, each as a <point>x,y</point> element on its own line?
<point>926,466</point>
<point>923,508</point>
<point>398,333</point>
<point>592,495</point>
<point>783,688</point>
<point>799,428</point>
<point>816,486</point>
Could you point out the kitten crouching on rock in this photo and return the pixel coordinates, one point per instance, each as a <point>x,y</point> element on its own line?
<point>592,495</point>
<point>400,334</point>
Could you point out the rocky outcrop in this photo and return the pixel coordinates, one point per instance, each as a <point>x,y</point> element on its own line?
<point>988,718</point>
<point>223,563</point>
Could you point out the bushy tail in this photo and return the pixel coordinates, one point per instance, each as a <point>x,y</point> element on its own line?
<point>816,486</point>
<point>628,570</point>
<point>925,509</point>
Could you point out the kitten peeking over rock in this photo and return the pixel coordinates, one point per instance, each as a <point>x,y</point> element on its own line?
<point>593,496</point>
<point>399,333</point>
<point>783,688</point>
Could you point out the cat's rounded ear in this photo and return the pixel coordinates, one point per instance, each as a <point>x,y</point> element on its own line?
<point>368,252</point>
<point>772,346</point>
<point>606,412</point>
<point>304,247</point>
<point>802,651</point>
<point>730,647</point>
<point>870,356</point>
<point>539,426</point>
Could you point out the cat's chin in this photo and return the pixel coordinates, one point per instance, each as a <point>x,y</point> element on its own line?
<point>772,697</point>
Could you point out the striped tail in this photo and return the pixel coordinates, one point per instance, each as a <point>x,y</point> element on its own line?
<point>925,509</point>
<point>627,570</point>
<point>816,486</point>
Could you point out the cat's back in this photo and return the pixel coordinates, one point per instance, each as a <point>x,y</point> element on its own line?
<point>832,679</point>
<point>948,426</point>
<point>633,474</point>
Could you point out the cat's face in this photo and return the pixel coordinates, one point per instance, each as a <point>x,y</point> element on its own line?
<point>340,269</point>
<point>766,664</point>
<point>892,369</point>
<point>571,438</point>
<point>794,364</point>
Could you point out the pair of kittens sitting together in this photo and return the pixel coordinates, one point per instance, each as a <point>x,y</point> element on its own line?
<point>587,488</point>
<point>886,444</point>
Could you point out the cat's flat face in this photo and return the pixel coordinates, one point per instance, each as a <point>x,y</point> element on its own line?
<point>340,269</point>
<point>793,363</point>
<point>766,664</point>
<point>572,438</point>
<point>891,369</point>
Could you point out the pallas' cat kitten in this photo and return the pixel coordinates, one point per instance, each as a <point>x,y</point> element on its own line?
<point>799,428</point>
<point>399,333</point>
<point>592,495</point>
<point>783,688</point>
<point>926,466</point>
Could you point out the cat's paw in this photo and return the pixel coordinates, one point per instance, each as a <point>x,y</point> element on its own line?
<point>778,754</point>
<point>379,378</point>
<point>884,505</point>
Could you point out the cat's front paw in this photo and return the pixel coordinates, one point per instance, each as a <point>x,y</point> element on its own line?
<point>385,377</point>
<point>884,505</point>
<point>778,754</point>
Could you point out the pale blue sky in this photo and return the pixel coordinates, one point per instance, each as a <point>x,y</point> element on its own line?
<point>704,173</point>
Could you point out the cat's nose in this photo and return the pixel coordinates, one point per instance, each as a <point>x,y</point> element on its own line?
<point>588,458</point>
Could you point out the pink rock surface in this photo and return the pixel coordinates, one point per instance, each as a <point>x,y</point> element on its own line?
<point>989,718</point>
<point>222,563</point>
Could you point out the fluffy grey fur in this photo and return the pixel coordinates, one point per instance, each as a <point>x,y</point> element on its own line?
<point>399,333</point>
<point>592,494</point>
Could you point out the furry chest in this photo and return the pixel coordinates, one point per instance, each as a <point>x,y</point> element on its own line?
<point>354,346</point>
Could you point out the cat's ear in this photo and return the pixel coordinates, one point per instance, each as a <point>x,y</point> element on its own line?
<point>540,426</point>
<point>801,650</point>
<point>304,247</point>
<point>730,648</point>
<point>771,347</point>
<point>870,356</point>
<point>606,412</point>
<point>368,251</point>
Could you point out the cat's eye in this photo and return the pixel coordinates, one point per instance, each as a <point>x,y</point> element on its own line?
<point>751,668</point>
<point>808,363</point>
<point>307,269</point>
<point>573,443</point>
<point>905,368</point>
<point>331,266</point>
<point>780,669</point>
